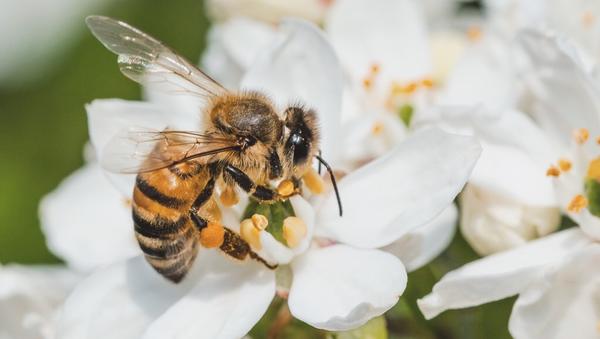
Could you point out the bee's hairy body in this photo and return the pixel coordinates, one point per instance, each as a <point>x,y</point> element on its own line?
<point>172,205</point>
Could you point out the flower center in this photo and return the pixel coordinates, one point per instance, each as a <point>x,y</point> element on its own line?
<point>590,195</point>
<point>399,98</point>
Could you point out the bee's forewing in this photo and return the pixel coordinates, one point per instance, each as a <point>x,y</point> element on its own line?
<point>148,61</point>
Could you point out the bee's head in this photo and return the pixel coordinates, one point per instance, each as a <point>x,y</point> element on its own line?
<point>301,141</point>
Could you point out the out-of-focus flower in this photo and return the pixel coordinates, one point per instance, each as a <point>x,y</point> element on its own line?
<point>508,203</point>
<point>30,298</point>
<point>340,279</point>
<point>555,277</point>
<point>33,33</point>
<point>493,223</point>
<point>271,11</point>
<point>577,19</point>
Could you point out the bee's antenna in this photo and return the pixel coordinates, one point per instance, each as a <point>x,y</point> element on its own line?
<point>319,167</point>
<point>335,188</point>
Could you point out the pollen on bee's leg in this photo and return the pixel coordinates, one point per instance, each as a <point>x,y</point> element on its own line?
<point>260,221</point>
<point>251,234</point>
<point>553,171</point>
<point>212,235</point>
<point>578,203</point>
<point>294,231</point>
<point>564,165</point>
<point>314,181</point>
<point>285,188</point>
<point>581,135</point>
<point>229,197</point>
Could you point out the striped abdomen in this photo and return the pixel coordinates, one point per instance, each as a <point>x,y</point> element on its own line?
<point>163,228</point>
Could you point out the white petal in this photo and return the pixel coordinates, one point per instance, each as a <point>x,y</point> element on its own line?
<point>567,98</point>
<point>301,65</point>
<point>515,157</point>
<point>396,39</point>
<point>340,287</point>
<point>87,222</point>
<point>130,299</point>
<point>220,306</point>
<point>492,223</point>
<point>500,275</point>
<point>271,11</point>
<point>484,75</point>
<point>564,304</point>
<point>425,243</point>
<point>590,224</point>
<point>404,189</point>
<point>233,46</point>
<point>30,298</point>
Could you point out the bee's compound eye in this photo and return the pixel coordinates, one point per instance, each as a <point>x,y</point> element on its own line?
<point>300,145</point>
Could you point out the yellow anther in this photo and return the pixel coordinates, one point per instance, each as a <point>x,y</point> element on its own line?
<point>564,165</point>
<point>588,19</point>
<point>294,230</point>
<point>212,235</point>
<point>474,33</point>
<point>593,170</point>
<point>127,202</point>
<point>368,83</point>
<point>250,233</point>
<point>553,171</point>
<point>410,88</point>
<point>260,221</point>
<point>377,128</point>
<point>427,83</point>
<point>313,181</point>
<point>286,188</point>
<point>581,135</point>
<point>229,197</point>
<point>375,68</point>
<point>598,140</point>
<point>578,203</point>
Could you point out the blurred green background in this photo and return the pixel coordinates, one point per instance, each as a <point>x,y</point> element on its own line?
<point>43,130</point>
<point>43,126</point>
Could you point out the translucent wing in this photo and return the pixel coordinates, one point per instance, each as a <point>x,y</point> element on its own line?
<point>136,150</point>
<point>148,61</point>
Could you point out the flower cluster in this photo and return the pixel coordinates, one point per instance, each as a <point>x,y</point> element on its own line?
<point>420,105</point>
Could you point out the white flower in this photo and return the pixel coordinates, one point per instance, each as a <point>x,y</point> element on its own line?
<point>31,44</point>
<point>340,277</point>
<point>30,298</point>
<point>508,203</point>
<point>268,10</point>
<point>556,277</point>
<point>578,19</point>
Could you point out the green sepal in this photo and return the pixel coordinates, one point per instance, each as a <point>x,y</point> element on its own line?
<point>592,192</point>
<point>375,328</point>
<point>405,112</point>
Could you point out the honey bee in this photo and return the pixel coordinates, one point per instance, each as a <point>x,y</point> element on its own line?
<point>244,143</point>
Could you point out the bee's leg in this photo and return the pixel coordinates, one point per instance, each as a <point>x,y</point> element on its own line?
<point>212,234</point>
<point>236,247</point>
<point>260,192</point>
<point>201,199</point>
